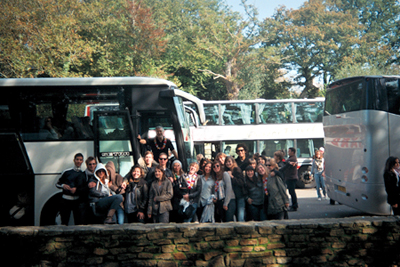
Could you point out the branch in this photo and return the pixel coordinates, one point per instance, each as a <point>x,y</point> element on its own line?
<point>216,76</point>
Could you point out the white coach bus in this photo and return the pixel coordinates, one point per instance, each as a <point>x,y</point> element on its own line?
<point>265,126</point>
<point>43,125</point>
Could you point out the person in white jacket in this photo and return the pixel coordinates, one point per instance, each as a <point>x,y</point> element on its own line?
<point>105,200</point>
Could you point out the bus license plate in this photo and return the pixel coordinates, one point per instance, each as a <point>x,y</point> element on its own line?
<point>341,189</point>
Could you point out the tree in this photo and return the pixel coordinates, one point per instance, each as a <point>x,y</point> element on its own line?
<point>78,38</point>
<point>314,41</point>
<point>381,21</point>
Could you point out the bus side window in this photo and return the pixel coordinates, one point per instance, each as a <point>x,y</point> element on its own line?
<point>393,96</point>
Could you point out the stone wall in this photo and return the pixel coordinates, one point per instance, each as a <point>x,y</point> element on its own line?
<point>361,241</point>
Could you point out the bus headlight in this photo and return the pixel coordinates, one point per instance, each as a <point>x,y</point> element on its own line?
<point>364,178</point>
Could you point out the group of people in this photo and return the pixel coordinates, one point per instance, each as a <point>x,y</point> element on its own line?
<point>222,190</point>
<point>218,191</point>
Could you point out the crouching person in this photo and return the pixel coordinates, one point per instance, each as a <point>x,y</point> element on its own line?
<point>102,196</point>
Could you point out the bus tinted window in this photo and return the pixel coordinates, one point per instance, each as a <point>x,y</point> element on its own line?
<point>212,114</point>
<point>308,111</point>
<point>275,112</point>
<point>55,122</point>
<point>268,147</point>
<point>307,147</point>
<point>345,99</point>
<point>393,95</point>
<point>237,114</point>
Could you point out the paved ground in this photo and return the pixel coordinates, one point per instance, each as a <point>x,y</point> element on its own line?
<point>310,207</point>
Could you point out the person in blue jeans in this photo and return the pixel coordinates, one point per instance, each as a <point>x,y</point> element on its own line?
<point>317,169</point>
<point>106,202</point>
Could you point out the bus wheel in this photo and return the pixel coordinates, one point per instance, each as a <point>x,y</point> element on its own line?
<point>306,177</point>
<point>50,214</point>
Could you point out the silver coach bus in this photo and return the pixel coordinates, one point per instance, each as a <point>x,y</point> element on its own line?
<point>362,129</point>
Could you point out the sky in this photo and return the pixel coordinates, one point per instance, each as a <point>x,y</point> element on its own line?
<point>266,8</point>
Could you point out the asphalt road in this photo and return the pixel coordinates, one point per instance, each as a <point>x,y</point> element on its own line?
<point>311,208</point>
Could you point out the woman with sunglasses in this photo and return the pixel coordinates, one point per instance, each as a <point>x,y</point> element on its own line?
<point>225,206</point>
<point>278,200</point>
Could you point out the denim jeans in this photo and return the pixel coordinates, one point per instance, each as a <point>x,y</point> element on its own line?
<point>257,212</point>
<point>120,213</point>
<point>241,207</point>
<point>320,184</point>
<point>193,213</point>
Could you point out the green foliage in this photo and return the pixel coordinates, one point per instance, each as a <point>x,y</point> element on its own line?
<point>77,38</point>
<point>362,69</point>
<point>201,45</point>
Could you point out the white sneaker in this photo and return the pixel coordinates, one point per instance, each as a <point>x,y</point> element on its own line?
<point>319,199</point>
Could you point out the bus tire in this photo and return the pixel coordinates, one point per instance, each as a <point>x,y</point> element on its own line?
<point>50,214</point>
<point>306,179</point>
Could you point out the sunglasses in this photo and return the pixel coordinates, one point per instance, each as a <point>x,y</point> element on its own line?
<point>91,164</point>
<point>240,150</point>
<point>269,165</point>
<point>163,158</point>
<point>216,166</point>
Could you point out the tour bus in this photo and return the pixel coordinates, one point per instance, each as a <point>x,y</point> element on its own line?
<point>361,123</point>
<point>265,126</point>
<point>43,126</point>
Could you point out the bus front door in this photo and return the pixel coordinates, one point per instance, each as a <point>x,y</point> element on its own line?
<point>114,139</point>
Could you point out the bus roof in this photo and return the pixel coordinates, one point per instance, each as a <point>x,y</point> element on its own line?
<point>84,81</point>
<point>260,100</point>
<point>351,79</point>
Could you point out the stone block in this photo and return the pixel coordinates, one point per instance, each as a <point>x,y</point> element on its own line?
<point>248,242</point>
<point>100,251</point>
<point>167,264</point>
<point>179,256</point>
<point>275,245</point>
<point>217,244</point>
<point>155,235</point>
<point>209,255</point>
<point>181,241</point>
<point>144,255</point>
<point>237,263</point>
<point>168,248</point>
<point>232,243</point>
<point>164,256</point>
<point>183,248</point>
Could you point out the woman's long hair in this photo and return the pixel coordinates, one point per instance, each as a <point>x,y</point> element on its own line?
<point>130,177</point>
<point>217,176</point>
<point>162,170</point>
<point>233,162</point>
<point>390,162</point>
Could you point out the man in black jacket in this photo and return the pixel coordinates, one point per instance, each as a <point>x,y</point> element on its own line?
<point>74,186</point>
<point>291,177</point>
